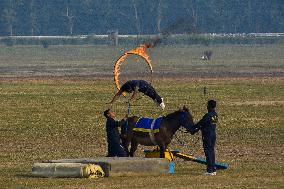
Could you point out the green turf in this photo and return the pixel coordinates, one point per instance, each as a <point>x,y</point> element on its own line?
<point>55,119</point>
<point>52,118</point>
<point>90,60</point>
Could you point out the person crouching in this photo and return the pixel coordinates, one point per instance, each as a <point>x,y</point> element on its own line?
<point>113,138</point>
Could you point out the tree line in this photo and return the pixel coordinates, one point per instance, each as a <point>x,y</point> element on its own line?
<point>85,17</point>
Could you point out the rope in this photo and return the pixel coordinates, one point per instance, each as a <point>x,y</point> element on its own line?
<point>182,144</point>
<point>128,113</point>
<point>129,109</point>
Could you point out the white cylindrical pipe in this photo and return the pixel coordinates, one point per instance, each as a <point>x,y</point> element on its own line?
<point>67,170</point>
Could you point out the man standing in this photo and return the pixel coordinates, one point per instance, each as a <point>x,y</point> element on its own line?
<point>207,125</point>
<point>142,86</point>
<point>113,137</point>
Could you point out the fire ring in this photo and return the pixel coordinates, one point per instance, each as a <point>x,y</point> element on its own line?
<point>139,51</point>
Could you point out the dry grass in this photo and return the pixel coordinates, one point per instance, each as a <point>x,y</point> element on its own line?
<point>51,117</point>
<point>43,120</point>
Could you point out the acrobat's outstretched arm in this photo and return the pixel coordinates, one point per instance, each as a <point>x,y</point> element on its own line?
<point>116,96</point>
<point>134,94</point>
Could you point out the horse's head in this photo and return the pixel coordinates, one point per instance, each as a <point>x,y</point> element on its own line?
<point>186,119</point>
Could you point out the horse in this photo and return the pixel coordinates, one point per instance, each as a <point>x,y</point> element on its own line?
<point>168,126</point>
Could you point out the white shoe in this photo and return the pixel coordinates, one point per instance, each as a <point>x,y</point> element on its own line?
<point>162,105</point>
<point>210,174</point>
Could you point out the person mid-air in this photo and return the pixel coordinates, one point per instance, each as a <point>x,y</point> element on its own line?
<point>136,86</point>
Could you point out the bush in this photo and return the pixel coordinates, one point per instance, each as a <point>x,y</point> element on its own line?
<point>192,39</point>
<point>44,44</point>
<point>8,41</point>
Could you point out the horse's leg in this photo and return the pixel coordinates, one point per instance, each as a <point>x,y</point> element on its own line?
<point>162,151</point>
<point>133,148</point>
<point>125,144</point>
<point>126,130</point>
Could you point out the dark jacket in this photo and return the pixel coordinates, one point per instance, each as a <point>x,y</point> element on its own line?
<point>112,130</point>
<point>143,87</point>
<point>113,138</point>
<point>207,124</point>
<point>130,86</point>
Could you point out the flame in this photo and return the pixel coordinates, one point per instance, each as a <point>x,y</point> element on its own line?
<point>139,51</point>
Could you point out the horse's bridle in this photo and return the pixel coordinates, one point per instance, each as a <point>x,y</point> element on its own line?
<point>183,120</point>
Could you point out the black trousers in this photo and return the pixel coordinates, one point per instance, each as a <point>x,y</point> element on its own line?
<point>149,91</point>
<point>209,140</point>
<point>116,149</point>
<point>114,146</point>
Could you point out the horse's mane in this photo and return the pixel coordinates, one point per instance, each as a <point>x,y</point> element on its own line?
<point>171,115</point>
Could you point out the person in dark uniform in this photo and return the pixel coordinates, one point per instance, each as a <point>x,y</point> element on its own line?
<point>113,138</point>
<point>207,125</point>
<point>136,86</point>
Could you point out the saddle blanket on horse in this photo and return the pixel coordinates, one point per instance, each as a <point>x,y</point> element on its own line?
<point>148,125</point>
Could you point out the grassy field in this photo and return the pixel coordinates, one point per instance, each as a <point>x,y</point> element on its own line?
<point>52,104</point>
<point>227,60</point>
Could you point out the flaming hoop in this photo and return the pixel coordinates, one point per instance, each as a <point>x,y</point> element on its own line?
<point>139,51</point>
